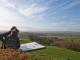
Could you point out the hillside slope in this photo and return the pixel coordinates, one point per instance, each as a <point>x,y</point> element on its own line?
<point>55,53</point>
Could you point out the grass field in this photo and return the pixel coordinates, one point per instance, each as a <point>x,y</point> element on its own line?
<point>68,37</point>
<point>25,40</point>
<point>53,53</point>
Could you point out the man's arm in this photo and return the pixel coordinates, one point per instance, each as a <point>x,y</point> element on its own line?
<point>4,35</point>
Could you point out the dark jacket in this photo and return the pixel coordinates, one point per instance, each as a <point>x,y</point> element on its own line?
<point>11,41</point>
<point>3,39</point>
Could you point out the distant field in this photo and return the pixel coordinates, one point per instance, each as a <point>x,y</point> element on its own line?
<point>69,37</point>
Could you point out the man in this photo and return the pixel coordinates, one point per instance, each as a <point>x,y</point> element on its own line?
<point>10,39</point>
<point>2,38</point>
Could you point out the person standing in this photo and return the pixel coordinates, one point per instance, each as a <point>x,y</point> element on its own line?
<point>10,40</point>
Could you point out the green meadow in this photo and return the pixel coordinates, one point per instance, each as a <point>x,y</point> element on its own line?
<point>67,37</point>
<point>52,53</point>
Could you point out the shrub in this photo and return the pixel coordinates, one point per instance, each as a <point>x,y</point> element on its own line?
<point>11,54</point>
<point>55,41</point>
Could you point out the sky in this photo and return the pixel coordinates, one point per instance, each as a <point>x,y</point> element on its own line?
<point>40,15</point>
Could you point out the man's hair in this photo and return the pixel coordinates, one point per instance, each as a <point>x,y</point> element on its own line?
<point>14,27</point>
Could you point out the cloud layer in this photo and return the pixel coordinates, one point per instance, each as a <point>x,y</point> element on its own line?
<point>40,15</point>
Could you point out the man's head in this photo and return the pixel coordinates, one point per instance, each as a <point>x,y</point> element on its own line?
<point>14,29</point>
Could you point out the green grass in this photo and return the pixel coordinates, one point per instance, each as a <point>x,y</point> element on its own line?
<point>24,40</point>
<point>0,43</point>
<point>54,53</point>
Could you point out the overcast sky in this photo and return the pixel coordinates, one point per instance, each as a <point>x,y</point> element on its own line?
<point>40,15</point>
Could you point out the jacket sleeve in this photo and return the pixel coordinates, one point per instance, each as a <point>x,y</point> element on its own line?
<point>4,35</point>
